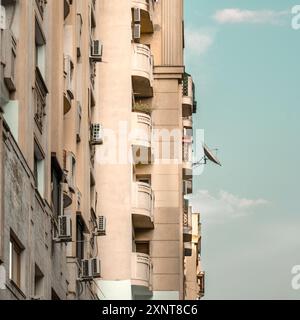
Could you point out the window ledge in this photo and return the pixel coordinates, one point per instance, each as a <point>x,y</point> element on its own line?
<point>15,290</point>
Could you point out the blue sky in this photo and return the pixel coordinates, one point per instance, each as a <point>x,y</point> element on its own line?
<point>245,64</point>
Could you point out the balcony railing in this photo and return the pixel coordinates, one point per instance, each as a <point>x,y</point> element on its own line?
<point>141,137</point>
<point>188,249</point>
<point>142,205</point>
<point>146,8</point>
<point>142,70</point>
<point>187,122</point>
<point>141,272</point>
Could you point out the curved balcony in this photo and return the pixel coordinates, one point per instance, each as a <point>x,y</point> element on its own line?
<point>188,249</point>
<point>142,71</point>
<point>188,96</point>
<point>146,10</point>
<point>141,272</point>
<point>142,206</point>
<point>141,137</point>
<point>187,122</point>
<point>187,158</point>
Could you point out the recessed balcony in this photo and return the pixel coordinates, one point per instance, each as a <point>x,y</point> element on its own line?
<point>187,222</point>
<point>142,206</point>
<point>187,158</point>
<point>187,187</point>
<point>146,14</point>
<point>188,249</point>
<point>67,195</point>
<point>188,96</point>
<point>141,273</point>
<point>141,138</point>
<point>68,83</point>
<point>142,71</point>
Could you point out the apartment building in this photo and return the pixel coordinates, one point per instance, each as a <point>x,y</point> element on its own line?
<point>96,151</point>
<point>144,91</point>
<point>48,140</point>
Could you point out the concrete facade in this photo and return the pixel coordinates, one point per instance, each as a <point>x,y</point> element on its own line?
<point>96,129</point>
<point>47,102</point>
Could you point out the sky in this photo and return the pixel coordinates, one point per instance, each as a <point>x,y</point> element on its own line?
<point>244,58</point>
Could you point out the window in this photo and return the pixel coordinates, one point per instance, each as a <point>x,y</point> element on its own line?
<point>38,283</point>
<point>79,238</point>
<point>15,252</point>
<point>55,180</point>
<point>144,179</point>
<point>143,247</point>
<point>54,295</point>
<point>79,33</point>
<point>40,89</point>
<point>73,172</point>
<point>78,122</point>
<point>39,169</point>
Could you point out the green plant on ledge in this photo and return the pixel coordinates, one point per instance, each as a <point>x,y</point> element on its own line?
<point>142,107</point>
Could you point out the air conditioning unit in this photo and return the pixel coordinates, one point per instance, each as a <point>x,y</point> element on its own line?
<point>64,228</point>
<point>101,226</point>
<point>137,15</point>
<point>95,267</point>
<point>96,134</point>
<point>90,269</point>
<point>137,32</point>
<point>96,50</point>
<point>9,44</point>
<point>86,272</point>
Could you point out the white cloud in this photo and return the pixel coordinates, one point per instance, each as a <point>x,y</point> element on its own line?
<point>236,15</point>
<point>223,206</point>
<point>199,41</point>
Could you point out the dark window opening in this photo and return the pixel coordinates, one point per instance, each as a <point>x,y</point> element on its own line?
<point>79,238</point>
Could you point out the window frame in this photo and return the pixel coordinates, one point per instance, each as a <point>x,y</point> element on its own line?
<point>15,261</point>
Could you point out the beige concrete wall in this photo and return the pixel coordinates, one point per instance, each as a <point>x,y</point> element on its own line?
<point>114,99</point>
